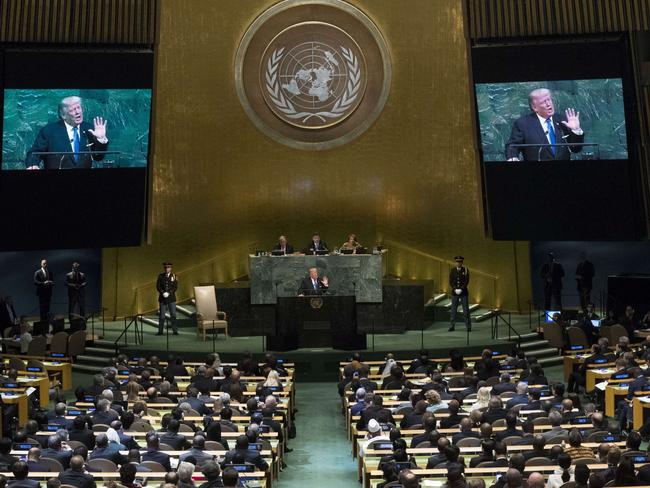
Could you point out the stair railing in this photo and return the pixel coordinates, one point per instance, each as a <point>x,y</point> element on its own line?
<point>138,334</point>
<point>497,317</point>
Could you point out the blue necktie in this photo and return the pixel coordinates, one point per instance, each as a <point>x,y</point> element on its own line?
<point>75,143</point>
<point>315,286</point>
<point>551,134</point>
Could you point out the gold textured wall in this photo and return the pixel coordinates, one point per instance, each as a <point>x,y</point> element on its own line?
<point>221,188</point>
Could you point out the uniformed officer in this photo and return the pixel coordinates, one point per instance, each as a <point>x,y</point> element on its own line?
<point>75,280</point>
<point>458,281</point>
<point>166,286</point>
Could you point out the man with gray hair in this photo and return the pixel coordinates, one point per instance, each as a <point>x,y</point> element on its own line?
<point>103,414</point>
<point>542,129</point>
<point>521,396</point>
<point>70,142</point>
<point>555,419</point>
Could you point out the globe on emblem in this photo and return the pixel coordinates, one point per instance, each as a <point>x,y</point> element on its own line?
<point>313,75</point>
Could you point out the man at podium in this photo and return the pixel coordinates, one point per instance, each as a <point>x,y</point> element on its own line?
<point>543,128</point>
<point>313,285</point>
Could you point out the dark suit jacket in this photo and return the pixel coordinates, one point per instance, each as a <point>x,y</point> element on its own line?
<point>528,130</point>
<point>508,433</point>
<point>490,416</point>
<point>307,288</point>
<point>108,453</point>
<point>450,421</point>
<point>311,247</point>
<point>61,456</point>
<point>586,271</point>
<point>39,280</point>
<point>288,249</point>
<point>552,273</point>
<point>502,388</point>
<point>159,457</point>
<point>177,442</point>
<point>26,483</point>
<point>462,435</point>
<point>372,412</point>
<point>166,284</point>
<point>54,138</point>
<point>252,457</point>
<point>77,478</point>
<point>76,283</point>
<point>410,419</point>
<point>85,436</point>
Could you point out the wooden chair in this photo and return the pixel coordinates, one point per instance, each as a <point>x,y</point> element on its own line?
<point>513,439</point>
<point>538,461</point>
<point>214,446</point>
<point>52,465</point>
<point>59,343</point>
<point>102,465</point>
<point>208,316</point>
<point>584,460</point>
<point>577,337</point>
<point>154,466</point>
<point>469,442</point>
<point>617,331</point>
<point>37,346</point>
<point>553,334</point>
<point>77,343</point>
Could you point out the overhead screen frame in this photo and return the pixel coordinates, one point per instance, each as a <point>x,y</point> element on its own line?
<point>116,219</point>
<point>600,57</point>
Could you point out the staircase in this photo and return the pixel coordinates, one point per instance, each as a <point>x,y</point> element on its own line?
<point>95,357</point>
<point>184,316</point>
<point>438,308</point>
<point>537,347</point>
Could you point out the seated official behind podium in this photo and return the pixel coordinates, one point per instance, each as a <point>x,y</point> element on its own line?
<point>316,245</point>
<point>313,285</point>
<point>351,245</point>
<point>543,128</point>
<point>283,246</point>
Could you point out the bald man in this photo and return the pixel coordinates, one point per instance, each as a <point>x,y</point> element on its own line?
<point>543,128</point>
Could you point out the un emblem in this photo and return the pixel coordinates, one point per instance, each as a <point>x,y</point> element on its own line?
<point>316,303</point>
<point>313,84</point>
<point>316,82</point>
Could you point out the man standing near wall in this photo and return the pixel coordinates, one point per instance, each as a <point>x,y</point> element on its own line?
<point>166,286</point>
<point>458,281</point>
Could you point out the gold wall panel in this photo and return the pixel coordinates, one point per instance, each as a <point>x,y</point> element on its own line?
<point>221,188</point>
<point>78,21</point>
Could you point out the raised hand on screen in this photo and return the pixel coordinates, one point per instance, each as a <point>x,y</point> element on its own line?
<point>325,281</point>
<point>100,128</point>
<point>572,119</point>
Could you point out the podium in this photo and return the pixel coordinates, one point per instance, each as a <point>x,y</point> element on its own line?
<point>315,321</point>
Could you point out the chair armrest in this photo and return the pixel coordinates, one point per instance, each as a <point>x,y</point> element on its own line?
<point>221,315</point>
<point>199,317</point>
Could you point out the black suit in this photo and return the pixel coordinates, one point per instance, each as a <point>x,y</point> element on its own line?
<point>166,283</point>
<point>312,247</point>
<point>552,274</point>
<point>26,483</point>
<point>288,249</point>
<point>54,138</point>
<point>585,271</point>
<point>85,436</point>
<point>61,456</point>
<point>307,287</point>
<point>76,283</point>
<point>159,457</point>
<point>528,130</point>
<point>252,457</point>
<point>77,478</point>
<point>44,291</point>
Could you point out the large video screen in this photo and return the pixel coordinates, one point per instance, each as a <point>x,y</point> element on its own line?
<point>75,128</point>
<point>552,120</point>
<point>76,143</point>
<point>557,139</point>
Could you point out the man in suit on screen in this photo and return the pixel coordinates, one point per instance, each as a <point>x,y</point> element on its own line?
<point>312,284</point>
<point>70,139</point>
<point>544,128</point>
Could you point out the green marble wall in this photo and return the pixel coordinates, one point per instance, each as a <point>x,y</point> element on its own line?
<point>600,103</point>
<point>128,112</point>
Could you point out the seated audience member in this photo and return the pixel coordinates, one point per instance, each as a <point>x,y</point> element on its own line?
<point>465,431</point>
<point>487,454</point>
<point>81,433</point>
<point>537,375</point>
<point>134,458</point>
<point>421,364</point>
<point>495,411</point>
<point>197,451</point>
<point>630,321</point>
<point>153,452</point>
<point>414,417</point>
<point>624,474</point>
<point>230,478</point>
<point>563,474</point>
<point>582,473</point>
<point>20,471</point>
<point>511,428</point>
<point>503,385</point>
<point>408,479</point>
<point>555,419</point>
<point>55,450</point>
<point>454,416</point>
<point>429,424</point>
<point>104,451</point>
<point>172,438</point>
<point>128,473</point>
<point>476,483</point>
<point>521,396</point>
<point>455,477</point>
<point>390,473</point>
<point>536,480</point>
<point>75,475</point>
<point>212,429</point>
<point>486,367</point>
<point>539,442</point>
<point>613,458</point>
<point>126,440</point>
<point>212,473</point>
<point>34,461</point>
<point>372,411</point>
<point>434,401</point>
<point>249,456</point>
<point>103,414</point>
<point>575,449</point>
<point>482,398</point>
<point>6,459</point>
<point>185,471</point>
<point>500,456</point>
<point>439,457</point>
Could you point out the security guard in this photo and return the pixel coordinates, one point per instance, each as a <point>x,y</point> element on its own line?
<point>458,281</point>
<point>166,286</point>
